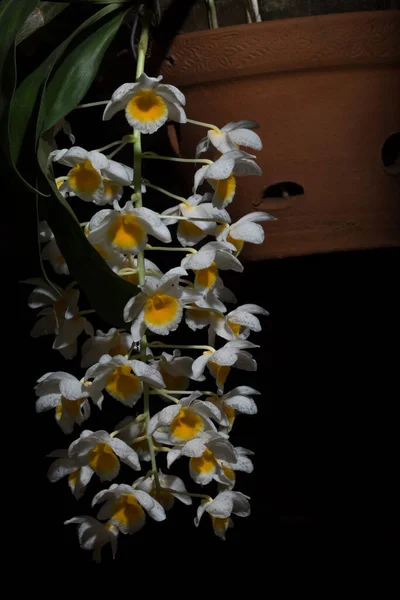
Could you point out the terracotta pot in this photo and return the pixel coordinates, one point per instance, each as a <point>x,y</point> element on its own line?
<point>326,93</point>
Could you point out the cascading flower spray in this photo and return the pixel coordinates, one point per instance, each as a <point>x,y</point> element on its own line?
<point>127,366</point>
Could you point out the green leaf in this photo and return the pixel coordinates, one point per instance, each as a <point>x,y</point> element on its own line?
<point>77,71</point>
<point>106,292</point>
<point>13,14</point>
<point>43,14</point>
<point>28,92</point>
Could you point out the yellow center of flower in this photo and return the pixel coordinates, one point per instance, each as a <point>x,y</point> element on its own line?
<point>186,425</point>
<point>110,189</point>
<point>237,243</point>
<point>225,188</point>
<point>102,459</point>
<point>166,499</point>
<point>132,277</point>
<point>84,178</point>
<point>117,350</point>
<point>219,525</point>
<point>126,232</point>
<point>220,372</point>
<point>146,106</point>
<point>205,463</point>
<point>122,382</point>
<point>230,413</point>
<point>160,309</point>
<point>230,473</point>
<point>207,277</point>
<point>235,327</point>
<point>127,510</point>
<point>60,307</point>
<point>72,407</point>
<point>173,382</point>
<point>73,478</point>
<point>188,229</point>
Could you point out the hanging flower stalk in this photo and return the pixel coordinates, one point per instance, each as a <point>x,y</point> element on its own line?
<point>170,411</point>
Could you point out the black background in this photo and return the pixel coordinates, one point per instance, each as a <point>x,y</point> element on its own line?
<point>325,438</point>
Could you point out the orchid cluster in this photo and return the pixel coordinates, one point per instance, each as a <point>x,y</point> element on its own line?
<point>131,366</point>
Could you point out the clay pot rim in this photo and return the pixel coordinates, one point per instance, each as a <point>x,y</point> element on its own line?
<point>314,42</point>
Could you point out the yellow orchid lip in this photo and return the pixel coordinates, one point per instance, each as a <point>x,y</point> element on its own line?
<point>206,278</point>
<point>204,464</point>
<point>102,459</point>
<point>122,383</point>
<point>146,107</point>
<point>84,178</point>
<point>127,233</point>
<point>126,511</point>
<point>186,425</point>
<point>161,309</point>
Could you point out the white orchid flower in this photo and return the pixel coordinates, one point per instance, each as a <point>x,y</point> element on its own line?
<point>221,508</point>
<point>78,476</point>
<point>159,306</point>
<point>66,395</point>
<point>230,137</point>
<point>93,535</point>
<point>126,229</point>
<point>59,315</point>
<point>101,453</point>
<point>122,378</point>
<point>123,507</point>
<point>220,361</point>
<point>244,230</point>
<point>204,451</point>
<point>208,260</point>
<point>147,104</point>
<point>176,370</point>
<point>113,342</point>
<point>171,482</point>
<point>185,419</point>
<point>243,463</point>
<point>221,175</point>
<point>237,400</point>
<point>51,251</point>
<point>189,233</point>
<point>127,267</point>
<point>133,433</point>
<point>236,324</point>
<point>93,177</point>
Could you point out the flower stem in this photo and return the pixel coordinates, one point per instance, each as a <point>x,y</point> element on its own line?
<point>212,14</point>
<point>137,182</point>
<point>182,392</point>
<point>119,142</point>
<point>90,104</point>
<point>208,125</point>
<point>166,395</point>
<point>114,152</point>
<point>166,192</point>
<point>185,346</point>
<point>166,249</point>
<point>161,216</point>
<point>171,491</point>
<point>153,155</point>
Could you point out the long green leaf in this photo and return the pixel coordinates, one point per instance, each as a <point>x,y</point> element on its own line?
<point>13,14</point>
<point>27,93</point>
<point>77,71</point>
<point>106,292</point>
<point>41,16</point>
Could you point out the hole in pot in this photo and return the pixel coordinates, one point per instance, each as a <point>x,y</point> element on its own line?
<point>283,189</point>
<point>390,154</point>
